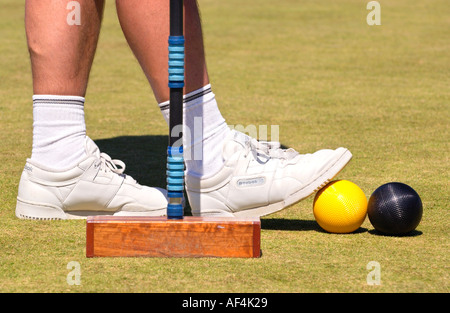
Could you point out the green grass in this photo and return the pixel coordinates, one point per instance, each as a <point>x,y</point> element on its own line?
<point>313,67</point>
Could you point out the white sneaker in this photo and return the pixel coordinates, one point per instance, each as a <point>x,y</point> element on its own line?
<point>259,178</point>
<point>96,186</point>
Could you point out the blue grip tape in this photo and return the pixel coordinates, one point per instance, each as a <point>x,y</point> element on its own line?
<point>175,181</point>
<point>175,169</point>
<point>174,211</point>
<point>175,194</point>
<point>176,61</point>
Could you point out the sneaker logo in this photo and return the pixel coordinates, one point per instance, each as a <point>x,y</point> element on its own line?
<point>251,182</point>
<point>28,168</point>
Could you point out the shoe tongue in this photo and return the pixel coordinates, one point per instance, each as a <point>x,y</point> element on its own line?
<point>91,147</point>
<point>241,137</point>
<point>236,141</point>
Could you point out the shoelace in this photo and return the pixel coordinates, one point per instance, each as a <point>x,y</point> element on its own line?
<point>268,149</point>
<point>107,164</point>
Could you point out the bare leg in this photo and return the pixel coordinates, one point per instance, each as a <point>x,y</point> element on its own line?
<point>61,54</point>
<point>61,58</point>
<point>146,27</point>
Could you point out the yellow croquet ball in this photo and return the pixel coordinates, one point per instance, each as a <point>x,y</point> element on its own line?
<point>340,207</point>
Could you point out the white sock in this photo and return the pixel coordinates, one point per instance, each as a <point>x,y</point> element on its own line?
<point>207,129</point>
<point>59,131</point>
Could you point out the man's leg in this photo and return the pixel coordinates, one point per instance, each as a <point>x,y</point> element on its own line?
<point>61,54</point>
<point>61,58</point>
<point>146,27</point>
<point>236,174</point>
<point>67,176</point>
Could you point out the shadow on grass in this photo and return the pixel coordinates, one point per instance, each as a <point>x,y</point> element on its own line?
<point>287,224</point>
<point>298,225</point>
<point>144,156</point>
<point>413,233</point>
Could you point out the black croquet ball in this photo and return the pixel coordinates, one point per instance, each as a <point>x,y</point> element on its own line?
<point>395,209</point>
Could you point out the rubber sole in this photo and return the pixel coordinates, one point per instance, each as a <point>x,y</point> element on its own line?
<point>33,211</point>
